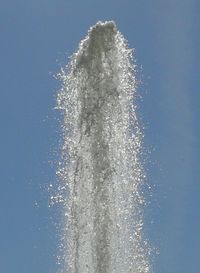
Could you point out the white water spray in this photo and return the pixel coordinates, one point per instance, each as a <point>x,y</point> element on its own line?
<point>100,168</point>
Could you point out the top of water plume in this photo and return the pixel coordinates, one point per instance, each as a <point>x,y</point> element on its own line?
<point>100,167</point>
<point>99,39</point>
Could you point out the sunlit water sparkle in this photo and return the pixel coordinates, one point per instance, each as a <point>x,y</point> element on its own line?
<point>100,172</point>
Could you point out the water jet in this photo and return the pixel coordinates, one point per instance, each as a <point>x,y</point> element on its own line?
<point>100,167</point>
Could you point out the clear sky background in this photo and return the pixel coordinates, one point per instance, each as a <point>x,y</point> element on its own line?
<point>36,37</point>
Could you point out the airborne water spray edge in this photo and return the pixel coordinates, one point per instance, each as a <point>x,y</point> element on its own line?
<point>100,170</point>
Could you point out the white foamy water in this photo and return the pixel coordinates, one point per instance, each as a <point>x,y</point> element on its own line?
<point>100,169</point>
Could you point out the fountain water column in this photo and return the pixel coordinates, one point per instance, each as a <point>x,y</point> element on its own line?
<point>100,165</point>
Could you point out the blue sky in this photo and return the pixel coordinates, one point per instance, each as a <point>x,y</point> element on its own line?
<point>36,37</point>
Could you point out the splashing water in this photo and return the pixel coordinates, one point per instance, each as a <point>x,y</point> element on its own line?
<point>100,168</point>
